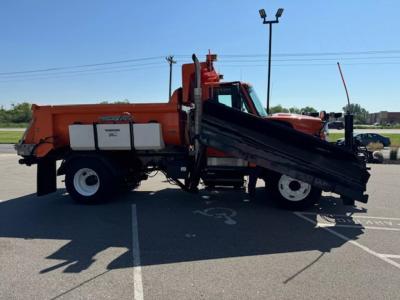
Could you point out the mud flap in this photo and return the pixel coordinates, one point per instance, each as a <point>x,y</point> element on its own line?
<point>46,177</point>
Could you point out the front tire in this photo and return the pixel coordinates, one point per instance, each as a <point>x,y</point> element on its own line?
<point>290,193</point>
<point>88,180</point>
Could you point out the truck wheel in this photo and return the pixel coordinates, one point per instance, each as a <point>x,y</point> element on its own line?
<point>291,193</point>
<point>88,180</point>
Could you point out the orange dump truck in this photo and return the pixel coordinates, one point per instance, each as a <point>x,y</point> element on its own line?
<point>210,130</point>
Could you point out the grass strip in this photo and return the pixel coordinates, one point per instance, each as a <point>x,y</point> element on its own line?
<point>394,138</point>
<point>10,137</point>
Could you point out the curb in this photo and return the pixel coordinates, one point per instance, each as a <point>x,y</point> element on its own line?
<point>387,155</point>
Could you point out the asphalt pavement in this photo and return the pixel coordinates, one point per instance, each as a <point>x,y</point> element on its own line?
<point>159,242</point>
<point>7,148</point>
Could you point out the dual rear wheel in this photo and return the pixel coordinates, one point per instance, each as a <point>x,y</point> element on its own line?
<point>88,180</point>
<point>291,193</point>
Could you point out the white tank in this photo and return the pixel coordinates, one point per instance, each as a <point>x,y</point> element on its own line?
<point>116,137</point>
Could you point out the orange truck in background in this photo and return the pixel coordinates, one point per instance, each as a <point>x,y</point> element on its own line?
<point>210,130</point>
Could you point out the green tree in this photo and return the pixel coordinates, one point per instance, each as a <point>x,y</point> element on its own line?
<point>360,113</point>
<point>125,101</point>
<point>295,110</point>
<point>277,109</point>
<point>309,109</point>
<point>3,115</point>
<point>20,113</point>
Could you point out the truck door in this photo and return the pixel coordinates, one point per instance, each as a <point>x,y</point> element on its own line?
<point>230,96</point>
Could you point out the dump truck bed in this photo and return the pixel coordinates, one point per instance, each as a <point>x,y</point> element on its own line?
<point>280,148</point>
<point>49,128</point>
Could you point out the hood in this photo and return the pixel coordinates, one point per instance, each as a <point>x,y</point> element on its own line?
<point>303,123</point>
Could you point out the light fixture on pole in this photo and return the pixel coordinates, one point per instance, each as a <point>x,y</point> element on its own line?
<point>263,16</point>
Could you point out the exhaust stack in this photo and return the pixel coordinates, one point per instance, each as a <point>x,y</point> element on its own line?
<point>199,150</point>
<point>198,105</point>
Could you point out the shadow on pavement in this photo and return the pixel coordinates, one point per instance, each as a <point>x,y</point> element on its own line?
<point>174,226</point>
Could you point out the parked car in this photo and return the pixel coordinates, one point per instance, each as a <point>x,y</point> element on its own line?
<point>336,125</point>
<point>364,139</point>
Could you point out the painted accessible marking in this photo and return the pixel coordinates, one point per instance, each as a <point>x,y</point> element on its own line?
<point>345,221</point>
<point>219,213</point>
<point>384,257</point>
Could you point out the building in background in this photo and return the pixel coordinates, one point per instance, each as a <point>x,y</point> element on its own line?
<point>384,117</point>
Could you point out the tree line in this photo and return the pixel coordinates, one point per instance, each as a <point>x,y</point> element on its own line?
<point>18,113</point>
<point>360,113</point>
<point>294,110</point>
<point>21,112</point>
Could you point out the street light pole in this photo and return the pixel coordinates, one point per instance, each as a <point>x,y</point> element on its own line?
<point>269,66</point>
<point>263,16</point>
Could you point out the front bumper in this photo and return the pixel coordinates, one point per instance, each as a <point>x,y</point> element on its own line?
<point>24,149</point>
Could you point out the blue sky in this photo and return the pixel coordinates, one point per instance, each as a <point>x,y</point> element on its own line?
<point>46,33</point>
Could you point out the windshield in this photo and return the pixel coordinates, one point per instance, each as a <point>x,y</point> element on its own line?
<point>257,103</point>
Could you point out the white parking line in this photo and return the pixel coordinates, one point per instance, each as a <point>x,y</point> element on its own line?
<point>347,216</point>
<point>345,238</point>
<point>137,268</point>
<point>390,255</point>
<point>356,226</point>
<point>355,221</point>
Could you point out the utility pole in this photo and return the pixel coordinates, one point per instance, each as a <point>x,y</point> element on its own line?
<point>171,61</point>
<point>263,16</point>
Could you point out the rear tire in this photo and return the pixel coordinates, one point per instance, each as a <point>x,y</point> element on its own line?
<point>88,180</point>
<point>290,193</point>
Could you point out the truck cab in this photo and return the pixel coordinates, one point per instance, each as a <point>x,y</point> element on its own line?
<point>242,96</point>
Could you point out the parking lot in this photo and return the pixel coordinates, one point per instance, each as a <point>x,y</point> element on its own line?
<point>159,242</point>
